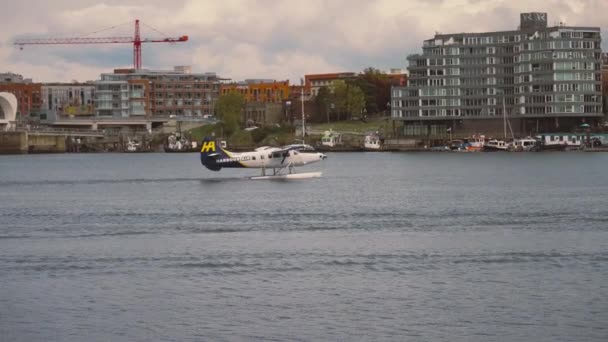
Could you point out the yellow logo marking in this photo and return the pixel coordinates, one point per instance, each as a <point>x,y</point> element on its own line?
<point>208,146</point>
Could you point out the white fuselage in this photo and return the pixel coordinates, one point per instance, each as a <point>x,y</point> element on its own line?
<point>271,158</point>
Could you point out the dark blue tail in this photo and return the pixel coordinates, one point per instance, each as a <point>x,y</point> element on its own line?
<point>211,151</point>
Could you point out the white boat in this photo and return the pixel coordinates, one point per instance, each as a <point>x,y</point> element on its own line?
<point>495,145</point>
<point>559,141</point>
<point>133,145</point>
<point>523,145</point>
<point>178,144</point>
<point>331,139</point>
<point>372,142</point>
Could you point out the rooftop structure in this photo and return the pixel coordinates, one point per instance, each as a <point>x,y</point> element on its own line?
<point>9,77</point>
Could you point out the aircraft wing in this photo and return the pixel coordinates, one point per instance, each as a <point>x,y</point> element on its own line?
<point>298,147</point>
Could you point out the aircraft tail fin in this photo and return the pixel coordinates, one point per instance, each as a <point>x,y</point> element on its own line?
<point>211,150</point>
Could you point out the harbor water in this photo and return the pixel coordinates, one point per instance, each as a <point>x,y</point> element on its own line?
<point>383,247</point>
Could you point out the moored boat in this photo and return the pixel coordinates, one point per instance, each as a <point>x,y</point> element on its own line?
<point>494,145</point>
<point>373,142</point>
<point>523,145</point>
<point>175,144</point>
<point>475,143</point>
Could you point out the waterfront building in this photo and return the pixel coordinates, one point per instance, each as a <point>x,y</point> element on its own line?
<point>67,100</point>
<point>545,78</point>
<point>142,93</point>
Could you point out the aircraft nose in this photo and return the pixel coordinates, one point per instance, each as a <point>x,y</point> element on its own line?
<point>322,156</point>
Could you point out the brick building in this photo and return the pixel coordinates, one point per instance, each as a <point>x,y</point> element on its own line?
<point>28,95</point>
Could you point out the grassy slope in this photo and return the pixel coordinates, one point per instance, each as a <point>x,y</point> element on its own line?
<point>200,132</point>
<point>354,126</point>
<point>284,136</point>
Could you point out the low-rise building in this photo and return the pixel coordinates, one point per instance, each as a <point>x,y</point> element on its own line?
<point>316,81</point>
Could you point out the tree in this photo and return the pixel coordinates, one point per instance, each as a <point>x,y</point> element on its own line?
<point>228,109</point>
<point>376,86</point>
<point>348,98</point>
<point>323,102</point>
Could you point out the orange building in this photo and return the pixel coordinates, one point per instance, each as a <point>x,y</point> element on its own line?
<point>265,91</point>
<point>29,99</point>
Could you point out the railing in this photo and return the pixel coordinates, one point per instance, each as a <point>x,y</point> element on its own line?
<point>51,130</point>
<point>95,119</point>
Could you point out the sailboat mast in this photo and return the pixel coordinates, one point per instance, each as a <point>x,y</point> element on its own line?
<point>504,117</point>
<point>303,123</point>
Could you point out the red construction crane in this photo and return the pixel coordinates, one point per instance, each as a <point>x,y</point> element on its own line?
<point>136,40</point>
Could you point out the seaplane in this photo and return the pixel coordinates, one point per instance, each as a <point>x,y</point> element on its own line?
<point>275,162</point>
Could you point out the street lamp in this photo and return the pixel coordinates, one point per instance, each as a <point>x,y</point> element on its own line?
<point>287,106</point>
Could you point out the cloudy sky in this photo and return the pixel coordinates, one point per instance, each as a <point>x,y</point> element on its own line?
<point>239,39</point>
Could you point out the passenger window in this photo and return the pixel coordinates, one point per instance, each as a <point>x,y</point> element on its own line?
<point>253,158</point>
<point>270,156</point>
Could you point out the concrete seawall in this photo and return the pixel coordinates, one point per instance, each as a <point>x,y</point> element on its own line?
<point>13,143</point>
<point>23,142</point>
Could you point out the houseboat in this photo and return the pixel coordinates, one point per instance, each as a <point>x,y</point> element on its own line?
<point>331,138</point>
<point>372,142</point>
<point>495,145</point>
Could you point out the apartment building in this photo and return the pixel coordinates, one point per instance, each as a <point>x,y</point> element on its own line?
<point>543,78</point>
<point>130,92</point>
<point>67,100</point>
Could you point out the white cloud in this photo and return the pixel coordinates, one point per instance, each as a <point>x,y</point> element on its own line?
<point>259,38</point>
